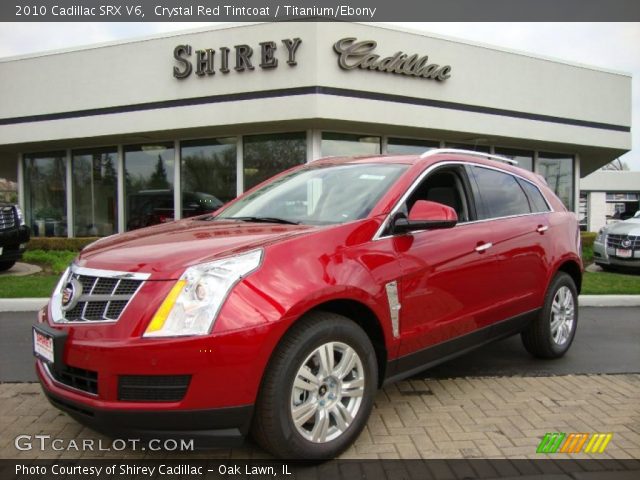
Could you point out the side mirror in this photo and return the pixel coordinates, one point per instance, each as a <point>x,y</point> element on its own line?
<point>426,215</point>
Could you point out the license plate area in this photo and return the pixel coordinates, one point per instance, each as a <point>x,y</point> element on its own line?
<point>624,253</point>
<point>48,344</point>
<point>43,347</point>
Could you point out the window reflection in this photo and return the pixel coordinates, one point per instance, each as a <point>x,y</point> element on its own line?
<point>149,184</point>
<point>469,146</point>
<point>346,144</point>
<point>267,155</point>
<point>45,196</point>
<point>95,192</point>
<point>557,169</point>
<point>523,157</point>
<point>208,174</point>
<point>410,146</point>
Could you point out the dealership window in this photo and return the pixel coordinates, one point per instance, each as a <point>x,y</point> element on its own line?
<point>346,144</point>
<point>469,146</point>
<point>410,146</point>
<point>44,194</point>
<point>208,174</point>
<point>557,169</point>
<point>148,184</point>
<point>621,205</point>
<point>95,192</point>
<point>523,157</point>
<point>266,155</point>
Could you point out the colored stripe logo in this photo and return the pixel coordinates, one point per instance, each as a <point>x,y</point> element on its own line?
<point>574,442</point>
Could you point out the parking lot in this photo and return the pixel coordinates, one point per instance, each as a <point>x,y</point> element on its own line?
<point>495,402</point>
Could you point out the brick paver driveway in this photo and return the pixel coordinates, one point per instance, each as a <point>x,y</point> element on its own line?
<point>456,418</point>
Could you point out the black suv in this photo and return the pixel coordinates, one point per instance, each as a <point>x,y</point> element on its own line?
<point>14,235</point>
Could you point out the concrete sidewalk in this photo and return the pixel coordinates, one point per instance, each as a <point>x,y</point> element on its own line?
<point>35,304</point>
<point>451,418</point>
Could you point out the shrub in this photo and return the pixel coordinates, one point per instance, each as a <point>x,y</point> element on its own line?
<point>59,243</point>
<point>588,238</point>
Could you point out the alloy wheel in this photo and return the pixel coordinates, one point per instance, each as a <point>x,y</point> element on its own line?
<point>327,392</point>
<point>562,315</point>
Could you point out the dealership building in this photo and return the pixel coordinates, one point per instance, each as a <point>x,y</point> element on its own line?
<point>107,138</point>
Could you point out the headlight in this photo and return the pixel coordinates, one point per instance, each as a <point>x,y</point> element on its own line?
<point>192,305</point>
<point>20,215</point>
<point>600,236</point>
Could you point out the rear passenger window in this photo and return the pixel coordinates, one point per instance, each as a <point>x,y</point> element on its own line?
<point>501,194</point>
<point>538,203</point>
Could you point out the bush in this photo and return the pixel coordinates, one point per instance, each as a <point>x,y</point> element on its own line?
<point>588,238</point>
<point>59,243</point>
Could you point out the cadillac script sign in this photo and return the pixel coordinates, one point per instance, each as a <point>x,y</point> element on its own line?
<point>354,54</point>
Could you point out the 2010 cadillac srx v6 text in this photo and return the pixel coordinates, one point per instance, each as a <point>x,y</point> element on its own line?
<point>282,313</point>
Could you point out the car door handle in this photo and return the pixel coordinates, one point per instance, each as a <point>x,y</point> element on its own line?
<point>484,246</point>
<point>542,228</point>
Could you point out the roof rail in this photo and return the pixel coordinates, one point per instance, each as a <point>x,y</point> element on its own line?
<point>436,151</point>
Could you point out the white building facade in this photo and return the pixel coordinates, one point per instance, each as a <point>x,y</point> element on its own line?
<point>109,138</point>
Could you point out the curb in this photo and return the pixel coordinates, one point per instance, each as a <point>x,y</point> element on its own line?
<point>22,304</point>
<point>603,301</point>
<point>35,304</point>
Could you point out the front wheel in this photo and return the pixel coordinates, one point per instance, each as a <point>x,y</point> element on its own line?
<point>318,390</point>
<point>551,334</point>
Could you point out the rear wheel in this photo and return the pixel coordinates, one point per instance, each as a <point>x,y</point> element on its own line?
<point>6,265</point>
<point>318,390</point>
<point>552,333</point>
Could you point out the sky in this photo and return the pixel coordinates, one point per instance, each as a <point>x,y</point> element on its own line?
<point>614,46</point>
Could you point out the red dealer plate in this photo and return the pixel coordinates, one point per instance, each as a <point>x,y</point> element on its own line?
<point>43,346</point>
<point>623,253</point>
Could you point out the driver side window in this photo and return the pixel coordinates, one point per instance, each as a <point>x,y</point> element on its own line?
<point>446,185</point>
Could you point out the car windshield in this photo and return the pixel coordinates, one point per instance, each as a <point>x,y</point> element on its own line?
<point>321,195</point>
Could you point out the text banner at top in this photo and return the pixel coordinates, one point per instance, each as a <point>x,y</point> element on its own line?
<point>309,10</point>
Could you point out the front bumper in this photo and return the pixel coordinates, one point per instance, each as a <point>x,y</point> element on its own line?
<point>603,255</point>
<point>207,428</point>
<point>13,242</point>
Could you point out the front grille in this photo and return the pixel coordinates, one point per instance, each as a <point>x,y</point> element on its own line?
<point>152,388</point>
<point>7,218</point>
<point>615,241</point>
<point>78,378</point>
<point>102,298</point>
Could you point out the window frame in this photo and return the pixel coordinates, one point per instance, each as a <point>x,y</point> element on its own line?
<point>383,231</point>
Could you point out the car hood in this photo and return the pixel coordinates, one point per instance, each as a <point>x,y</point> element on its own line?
<point>628,227</point>
<point>166,250</point>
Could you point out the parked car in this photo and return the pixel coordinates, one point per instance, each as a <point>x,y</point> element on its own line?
<point>152,207</point>
<point>283,313</point>
<point>618,245</point>
<point>14,235</point>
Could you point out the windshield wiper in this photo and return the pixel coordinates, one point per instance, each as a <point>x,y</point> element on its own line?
<point>263,220</point>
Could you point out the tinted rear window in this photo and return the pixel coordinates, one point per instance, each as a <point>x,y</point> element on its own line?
<point>501,194</point>
<point>538,203</point>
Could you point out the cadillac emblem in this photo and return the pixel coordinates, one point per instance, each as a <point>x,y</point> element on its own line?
<point>71,294</point>
<point>626,243</point>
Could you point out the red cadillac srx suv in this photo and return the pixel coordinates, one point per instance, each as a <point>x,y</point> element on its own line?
<point>282,313</point>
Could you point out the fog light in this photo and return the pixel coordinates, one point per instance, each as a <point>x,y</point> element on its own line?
<point>23,246</point>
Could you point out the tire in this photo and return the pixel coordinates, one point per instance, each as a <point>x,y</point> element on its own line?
<point>4,266</point>
<point>542,338</point>
<point>297,360</point>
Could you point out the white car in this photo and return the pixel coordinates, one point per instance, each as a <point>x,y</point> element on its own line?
<point>618,245</point>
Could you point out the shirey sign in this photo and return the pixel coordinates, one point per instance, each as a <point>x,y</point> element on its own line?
<point>352,54</point>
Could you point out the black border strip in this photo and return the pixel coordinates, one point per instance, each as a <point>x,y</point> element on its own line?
<point>311,90</point>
